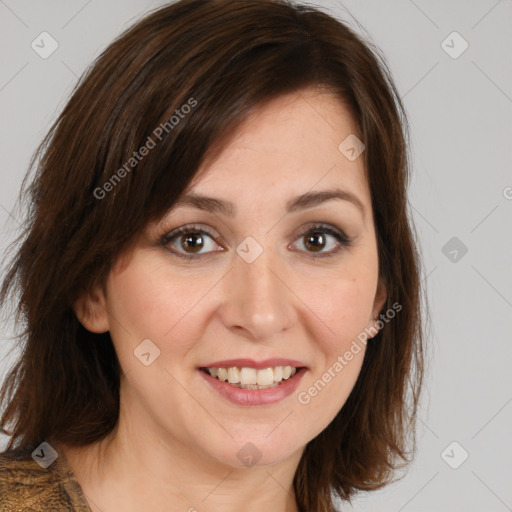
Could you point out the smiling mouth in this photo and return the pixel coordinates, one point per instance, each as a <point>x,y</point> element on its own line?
<point>252,378</point>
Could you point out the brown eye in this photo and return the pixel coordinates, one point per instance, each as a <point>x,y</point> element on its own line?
<point>188,241</point>
<point>193,241</point>
<point>315,241</point>
<point>317,238</point>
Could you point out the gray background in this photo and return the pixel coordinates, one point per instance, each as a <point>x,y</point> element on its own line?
<point>460,115</point>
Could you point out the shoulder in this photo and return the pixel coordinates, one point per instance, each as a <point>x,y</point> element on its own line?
<point>29,484</point>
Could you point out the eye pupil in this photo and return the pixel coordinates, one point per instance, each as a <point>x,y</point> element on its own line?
<point>314,237</point>
<point>188,242</point>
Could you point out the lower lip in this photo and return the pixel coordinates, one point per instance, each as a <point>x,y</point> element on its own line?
<point>240,396</point>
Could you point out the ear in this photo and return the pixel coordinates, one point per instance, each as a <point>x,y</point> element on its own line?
<point>91,311</point>
<point>378,303</point>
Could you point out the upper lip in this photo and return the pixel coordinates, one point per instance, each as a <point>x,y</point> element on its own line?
<point>251,363</point>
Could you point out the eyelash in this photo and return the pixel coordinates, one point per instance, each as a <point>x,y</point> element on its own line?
<point>343,240</point>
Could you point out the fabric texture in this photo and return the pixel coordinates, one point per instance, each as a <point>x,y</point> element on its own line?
<point>25,486</point>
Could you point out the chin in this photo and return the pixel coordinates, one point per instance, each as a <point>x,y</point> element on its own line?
<point>257,449</point>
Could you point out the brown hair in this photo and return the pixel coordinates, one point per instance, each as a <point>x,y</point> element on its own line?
<point>222,58</point>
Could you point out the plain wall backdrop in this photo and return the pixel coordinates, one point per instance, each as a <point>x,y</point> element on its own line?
<point>451,61</point>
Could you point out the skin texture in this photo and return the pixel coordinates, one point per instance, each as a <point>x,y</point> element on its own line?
<point>175,446</point>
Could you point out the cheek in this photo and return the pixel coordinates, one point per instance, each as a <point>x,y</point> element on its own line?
<point>344,306</point>
<point>144,305</point>
<point>342,297</point>
<point>344,311</point>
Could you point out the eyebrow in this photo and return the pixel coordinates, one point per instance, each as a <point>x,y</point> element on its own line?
<point>302,202</point>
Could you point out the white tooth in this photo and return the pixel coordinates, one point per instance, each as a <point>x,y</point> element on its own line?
<point>265,377</point>
<point>234,375</point>
<point>287,371</point>
<point>294,370</point>
<point>223,374</point>
<point>248,376</point>
<point>249,386</point>
<point>214,372</point>
<point>278,373</point>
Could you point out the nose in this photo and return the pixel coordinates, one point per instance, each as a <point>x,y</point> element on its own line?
<point>258,299</point>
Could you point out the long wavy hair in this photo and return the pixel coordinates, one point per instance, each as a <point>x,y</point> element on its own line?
<point>222,58</point>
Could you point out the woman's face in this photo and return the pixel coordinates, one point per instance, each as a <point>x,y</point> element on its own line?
<point>264,282</point>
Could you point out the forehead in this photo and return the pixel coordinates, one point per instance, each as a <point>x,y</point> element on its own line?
<point>292,141</point>
<point>287,147</point>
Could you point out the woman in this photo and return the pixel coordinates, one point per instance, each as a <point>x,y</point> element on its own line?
<point>218,276</point>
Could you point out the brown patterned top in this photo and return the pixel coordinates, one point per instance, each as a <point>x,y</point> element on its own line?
<point>26,485</point>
